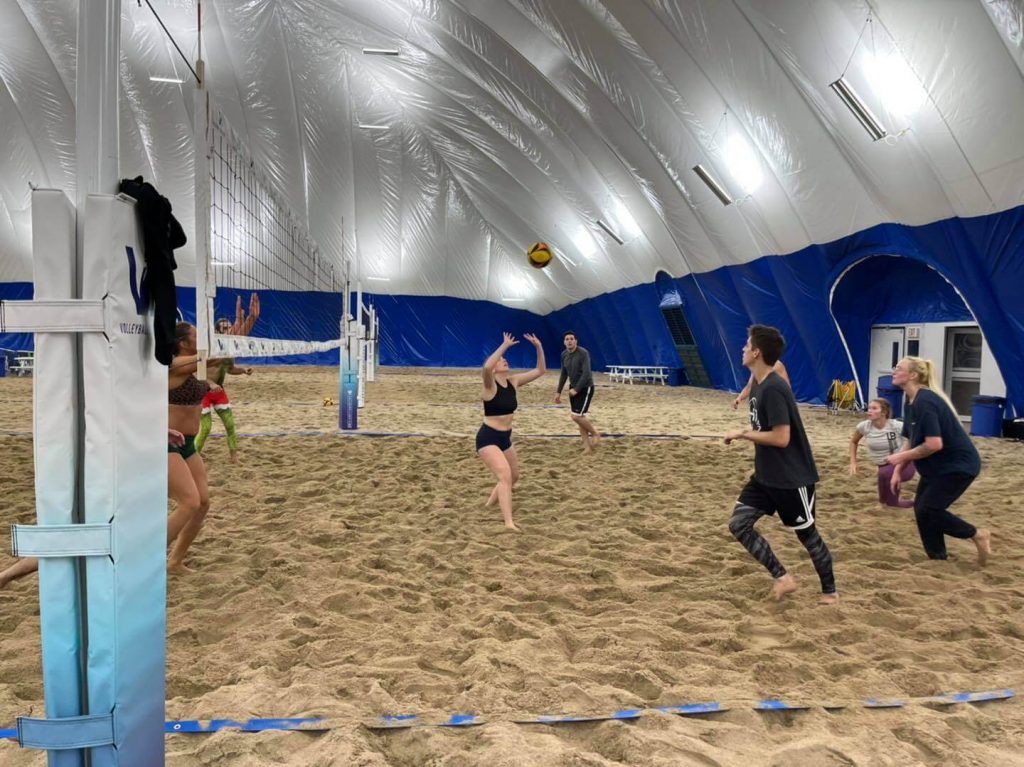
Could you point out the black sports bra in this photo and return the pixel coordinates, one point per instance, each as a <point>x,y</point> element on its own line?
<point>503,402</point>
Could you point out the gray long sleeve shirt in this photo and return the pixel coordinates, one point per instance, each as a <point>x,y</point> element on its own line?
<point>576,367</point>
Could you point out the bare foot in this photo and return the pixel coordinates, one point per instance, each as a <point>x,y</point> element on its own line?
<point>595,439</point>
<point>587,447</point>
<point>178,568</point>
<point>983,540</point>
<point>512,526</point>
<point>829,599</point>
<point>784,585</point>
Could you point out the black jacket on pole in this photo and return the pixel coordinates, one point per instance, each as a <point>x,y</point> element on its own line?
<point>161,234</point>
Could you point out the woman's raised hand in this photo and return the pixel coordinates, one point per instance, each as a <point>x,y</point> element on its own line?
<point>510,340</point>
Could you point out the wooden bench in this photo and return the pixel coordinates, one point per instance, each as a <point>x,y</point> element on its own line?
<point>633,373</point>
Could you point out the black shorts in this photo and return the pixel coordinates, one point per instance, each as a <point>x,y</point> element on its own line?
<point>187,450</point>
<point>794,505</point>
<point>579,403</point>
<point>488,436</point>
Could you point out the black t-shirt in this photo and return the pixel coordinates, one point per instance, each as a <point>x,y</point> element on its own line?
<point>929,416</point>
<point>772,404</point>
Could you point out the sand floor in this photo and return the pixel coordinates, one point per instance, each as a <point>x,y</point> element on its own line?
<point>347,577</point>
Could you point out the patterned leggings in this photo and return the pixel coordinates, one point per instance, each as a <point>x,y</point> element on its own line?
<point>741,525</point>
<point>206,424</point>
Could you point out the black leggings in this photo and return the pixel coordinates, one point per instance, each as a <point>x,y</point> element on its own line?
<point>741,525</point>
<point>931,510</point>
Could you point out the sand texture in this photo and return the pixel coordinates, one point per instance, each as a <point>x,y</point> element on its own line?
<point>349,577</point>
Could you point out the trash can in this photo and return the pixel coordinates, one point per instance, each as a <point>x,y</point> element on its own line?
<point>987,415</point>
<point>676,377</point>
<point>891,394</point>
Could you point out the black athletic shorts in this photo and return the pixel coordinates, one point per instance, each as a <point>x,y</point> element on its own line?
<point>795,506</point>
<point>488,436</point>
<point>579,403</point>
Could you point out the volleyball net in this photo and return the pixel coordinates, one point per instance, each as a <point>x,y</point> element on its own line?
<point>250,242</point>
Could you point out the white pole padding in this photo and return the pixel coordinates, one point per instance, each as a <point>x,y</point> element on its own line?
<point>125,466</point>
<point>55,443</point>
<point>371,351</point>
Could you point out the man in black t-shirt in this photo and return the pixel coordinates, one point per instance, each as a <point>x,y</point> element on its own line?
<point>784,470</point>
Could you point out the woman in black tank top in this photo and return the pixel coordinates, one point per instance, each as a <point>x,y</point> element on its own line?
<point>494,440</point>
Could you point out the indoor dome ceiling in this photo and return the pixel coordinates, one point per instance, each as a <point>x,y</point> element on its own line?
<point>510,121</point>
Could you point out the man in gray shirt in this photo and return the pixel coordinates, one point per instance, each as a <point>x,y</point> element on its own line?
<point>576,369</point>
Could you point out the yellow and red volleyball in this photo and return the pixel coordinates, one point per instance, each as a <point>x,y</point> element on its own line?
<point>539,255</point>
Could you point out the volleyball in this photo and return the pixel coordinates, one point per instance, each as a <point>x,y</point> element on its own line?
<point>539,255</point>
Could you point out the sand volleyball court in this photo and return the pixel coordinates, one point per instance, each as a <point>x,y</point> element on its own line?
<point>350,577</point>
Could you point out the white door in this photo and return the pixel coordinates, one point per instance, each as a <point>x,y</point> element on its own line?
<point>962,378</point>
<point>887,348</point>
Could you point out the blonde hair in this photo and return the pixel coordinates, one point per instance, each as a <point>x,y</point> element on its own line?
<point>926,377</point>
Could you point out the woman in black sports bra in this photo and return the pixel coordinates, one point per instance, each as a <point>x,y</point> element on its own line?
<point>494,440</point>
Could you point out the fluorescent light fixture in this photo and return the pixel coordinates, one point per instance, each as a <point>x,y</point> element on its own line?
<point>608,230</point>
<point>380,51</point>
<point>859,109</point>
<point>155,79</point>
<point>712,184</point>
<point>374,127</point>
<point>223,263</point>
<point>379,279</point>
<point>743,163</point>
<point>513,300</point>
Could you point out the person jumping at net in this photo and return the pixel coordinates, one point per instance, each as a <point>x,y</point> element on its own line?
<point>576,370</point>
<point>784,470</point>
<point>494,439</point>
<point>216,401</point>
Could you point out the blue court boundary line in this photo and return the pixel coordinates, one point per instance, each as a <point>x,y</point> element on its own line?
<point>405,721</point>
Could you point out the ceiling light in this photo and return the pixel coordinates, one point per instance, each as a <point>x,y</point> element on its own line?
<point>380,51</point>
<point>176,80</point>
<point>380,279</point>
<point>607,230</point>
<point>858,108</point>
<point>374,127</point>
<point>712,184</point>
<point>743,163</point>
<point>223,263</point>
<point>895,83</point>
<point>513,300</point>
<point>585,243</point>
